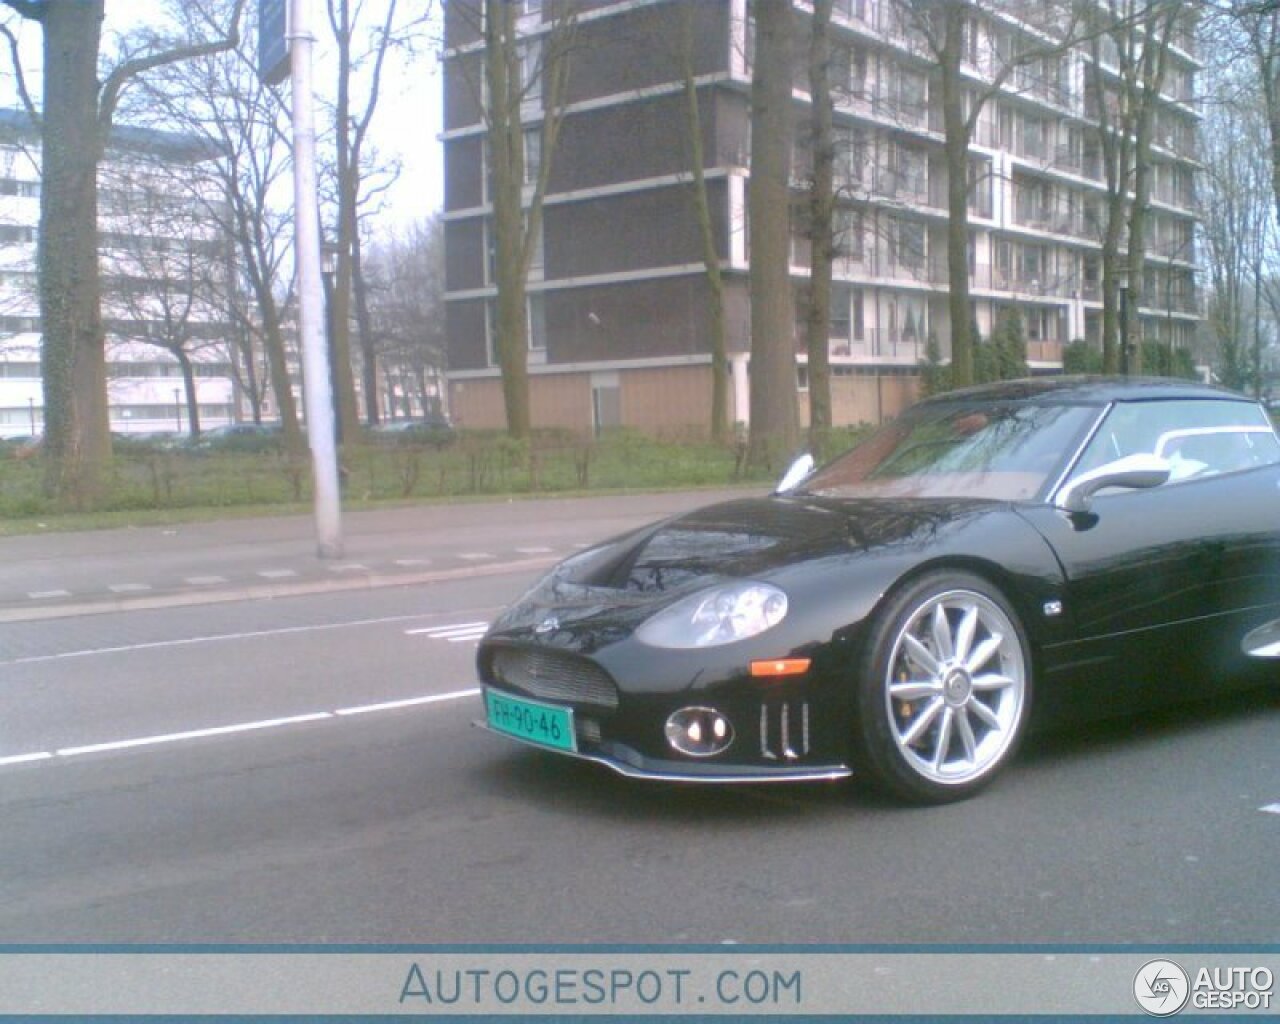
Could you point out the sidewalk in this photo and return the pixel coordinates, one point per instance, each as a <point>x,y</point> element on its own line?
<point>57,575</point>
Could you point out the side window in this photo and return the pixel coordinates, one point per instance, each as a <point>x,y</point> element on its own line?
<point>1200,437</point>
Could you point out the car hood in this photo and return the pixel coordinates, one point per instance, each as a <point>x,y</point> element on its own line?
<point>625,580</point>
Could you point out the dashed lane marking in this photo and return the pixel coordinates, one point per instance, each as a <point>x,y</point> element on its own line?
<point>476,556</point>
<point>205,581</point>
<point>45,595</point>
<point>161,739</point>
<point>349,567</point>
<point>128,588</point>
<point>535,551</point>
<point>456,634</point>
<point>1270,809</point>
<point>409,563</point>
<point>277,574</point>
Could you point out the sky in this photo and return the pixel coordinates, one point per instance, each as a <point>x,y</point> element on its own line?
<point>407,123</point>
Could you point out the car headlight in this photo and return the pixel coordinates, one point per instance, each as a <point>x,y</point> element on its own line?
<point>723,615</point>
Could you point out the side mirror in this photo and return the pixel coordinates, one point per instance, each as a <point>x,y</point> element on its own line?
<point>1132,471</point>
<point>795,473</point>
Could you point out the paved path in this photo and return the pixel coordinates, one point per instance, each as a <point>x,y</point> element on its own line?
<point>52,575</point>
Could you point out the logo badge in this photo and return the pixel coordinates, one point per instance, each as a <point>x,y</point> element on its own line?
<point>1161,988</point>
<point>548,625</point>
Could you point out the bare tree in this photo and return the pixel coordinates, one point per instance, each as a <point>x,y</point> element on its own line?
<point>946,31</point>
<point>406,297</point>
<point>822,195</point>
<point>162,264</point>
<point>220,100</point>
<point>1139,33</point>
<point>775,426</point>
<point>517,71</point>
<point>1236,204</point>
<point>706,230</point>
<point>364,41</point>
<point>78,111</point>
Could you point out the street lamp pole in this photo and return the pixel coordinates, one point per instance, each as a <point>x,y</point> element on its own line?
<point>315,356</point>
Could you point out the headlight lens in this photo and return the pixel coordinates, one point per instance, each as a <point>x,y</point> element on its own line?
<point>714,617</point>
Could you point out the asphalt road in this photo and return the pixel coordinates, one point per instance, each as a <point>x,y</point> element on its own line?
<point>300,768</point>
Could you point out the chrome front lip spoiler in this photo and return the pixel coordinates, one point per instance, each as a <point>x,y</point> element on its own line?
<point>666,771</point>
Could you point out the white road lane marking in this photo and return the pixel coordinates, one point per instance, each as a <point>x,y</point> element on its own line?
<point>535,551</point>
<point>36,659</point>
<point>445,632</point>
<point>128,588</point>
<point>277,574</point>
<point>115,746</point>
<point>44,595</point>
<point>476,556</point>
<point>349,567</point>
<point>410,562</point>
<point>192,734</point>
<point>43,755</point>
<point>393,705</point>
<point>205,581</point>
<point>1270,809</point>
<point>462,633</point>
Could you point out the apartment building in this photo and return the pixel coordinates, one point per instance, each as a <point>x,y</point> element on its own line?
<point>159,256</point>
<point>618,298</point>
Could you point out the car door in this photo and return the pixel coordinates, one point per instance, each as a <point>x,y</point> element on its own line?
<point>1162,583</point>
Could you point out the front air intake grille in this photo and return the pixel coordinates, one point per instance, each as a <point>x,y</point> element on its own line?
<point>784,730</point>
<point>555,676</point>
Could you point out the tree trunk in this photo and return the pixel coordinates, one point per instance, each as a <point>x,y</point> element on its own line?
<point>720,432</point>
<point>346,414</point>
<point>189,388</point>
<point>77,439</point>
<point>364,325</point>
<point>775,427</point>
<point>957,131</point>
<point>821,241</point>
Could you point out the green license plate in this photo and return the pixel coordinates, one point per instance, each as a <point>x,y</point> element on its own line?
<point>543,724</point>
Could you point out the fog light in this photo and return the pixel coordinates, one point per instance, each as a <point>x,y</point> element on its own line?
<point>699,732</point>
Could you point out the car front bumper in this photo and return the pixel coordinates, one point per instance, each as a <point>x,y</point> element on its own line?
<point>632,764</point>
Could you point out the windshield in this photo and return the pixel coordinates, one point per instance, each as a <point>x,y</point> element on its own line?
<point>1006,451</point>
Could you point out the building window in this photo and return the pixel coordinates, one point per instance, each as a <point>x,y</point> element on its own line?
<point>532,155</point>
<point>537,320</point>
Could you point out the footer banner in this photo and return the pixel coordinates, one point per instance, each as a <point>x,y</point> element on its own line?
<point>671,982</point>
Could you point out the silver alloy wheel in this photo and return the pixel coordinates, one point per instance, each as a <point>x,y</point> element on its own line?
<point>955,687</point>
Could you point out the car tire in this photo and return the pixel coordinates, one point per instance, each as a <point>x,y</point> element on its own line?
<point>945,688</point>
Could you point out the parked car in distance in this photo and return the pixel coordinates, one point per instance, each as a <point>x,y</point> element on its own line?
<point>153,440</point>
<point>1035,552</point>
<point>241,437</point>
<point>430,430</point>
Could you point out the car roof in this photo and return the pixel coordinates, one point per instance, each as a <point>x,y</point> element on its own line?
<point>1086,390</point>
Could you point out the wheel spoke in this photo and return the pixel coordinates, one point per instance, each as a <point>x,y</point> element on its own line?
<point>965,633</point>
<point>992,681</point>
<point>916,689</point>
<point>985,713</point>
<point>942,633</point>
<point>922,722</point>
<point>920,654</point>
<point>944,739</point>
<point>984,652</point>
<point>967,739</point>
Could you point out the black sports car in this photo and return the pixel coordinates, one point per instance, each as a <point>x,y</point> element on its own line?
<point>1038,550</point>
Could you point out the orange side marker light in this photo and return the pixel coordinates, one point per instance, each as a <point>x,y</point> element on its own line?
<point>779,667</point>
